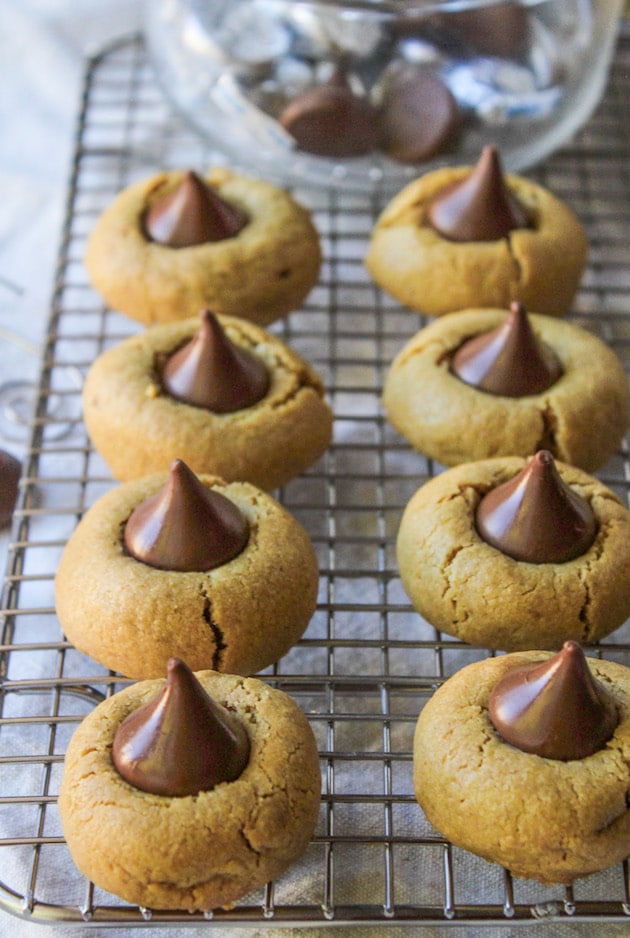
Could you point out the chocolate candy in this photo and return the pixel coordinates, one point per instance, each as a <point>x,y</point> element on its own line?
<point>213,372</point>
<point>418,116</point>
<point>500,29</point>
<point>481,207</point>
<point>10,471</point>
<point>331,120</point>
<point>193,213</point>
<point>185,526</point>
<point>536,517</point>
<point>182,742</point>
<point>510,360</point>
<point>555,709</point>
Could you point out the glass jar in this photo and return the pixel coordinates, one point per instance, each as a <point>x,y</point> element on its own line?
<point>371,92</point>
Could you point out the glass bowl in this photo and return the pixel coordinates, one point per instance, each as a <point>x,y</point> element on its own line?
<point>373,92</point>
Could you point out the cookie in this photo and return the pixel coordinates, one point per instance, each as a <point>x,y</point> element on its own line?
<point>551,819</point>
<point>529,247</point>
<point>204,850</point>
<point>581,418</point>
<point>239,615</point>
<point>260,273</point>
<point>139,428</point>
<point>466,587</point>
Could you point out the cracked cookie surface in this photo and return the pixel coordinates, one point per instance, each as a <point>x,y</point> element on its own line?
<point>202,851</point>
<point>540,267</point>
<point>541,818</point>
<point>139,429</point>
<point>581,418</point>
<point>467,588</point>
<point>261,274</point>
<point>239,617</point>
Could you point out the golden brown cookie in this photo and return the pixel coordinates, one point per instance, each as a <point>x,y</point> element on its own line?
<point>262,273</point>
<point>581,418</point>
<point>541,818</point>
<point>239,617</point>
<point>139,429</point>
<point>196,852</point>
<point>467,588</point>
<point>541,266</point>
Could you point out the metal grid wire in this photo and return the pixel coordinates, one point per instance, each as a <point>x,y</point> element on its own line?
<point>367,662</point>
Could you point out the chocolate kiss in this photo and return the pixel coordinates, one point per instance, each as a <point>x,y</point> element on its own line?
<point>556,709</point>
<point>10,470</point>
<point>481,208</point>
<point>211,371</point>
<point>536,517</point>
<point>418,116</point>
<point>181,742</point>
<point>331,120</point>
<point>192,213</point>
<point>185,526</point>
<point>510,360</point>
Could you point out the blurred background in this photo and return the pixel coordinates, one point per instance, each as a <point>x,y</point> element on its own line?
<point>42,45</point>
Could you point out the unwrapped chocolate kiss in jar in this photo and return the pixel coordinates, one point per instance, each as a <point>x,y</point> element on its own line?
<point>500,29</point>
<point>510,360</point>
<point>418,115</point>
<point>536,517</point>
<point>182,742</point>
<point>556,709</point>
<point>185,526</point>
<point>479,208</point>
<point>193,213</point>
<point>213,372</point>
<point>332,120</point>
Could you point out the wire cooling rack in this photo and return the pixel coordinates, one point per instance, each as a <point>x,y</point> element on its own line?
<point>367,662</point>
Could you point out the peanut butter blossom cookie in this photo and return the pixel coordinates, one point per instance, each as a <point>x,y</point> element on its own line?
<point>485,382</point>
<point>516,554</point>
<point>218,392</point>
<point>216,573</point>
<point>187,794</point>
<point>462,236</point>
<point>523,760</point>
<point>175,243</point>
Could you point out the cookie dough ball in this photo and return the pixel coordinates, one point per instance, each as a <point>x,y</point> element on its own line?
<point>529,246</point>
<point>139,427</point>
<point>231,585</point>
<point>203,850</point>
<point>581,417</point>
<point>261,272</point>
<point>468,588</point>
<point>542,818</point>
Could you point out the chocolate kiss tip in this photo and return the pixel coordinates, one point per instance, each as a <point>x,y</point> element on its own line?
<point>510,360</point>
<point>185,526</point>
<point>192,213</point>
<point>479,208</point>
<point>536,517</point>
<point>555,709</point>
<point>213,372</point>
<point>182,742</point>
